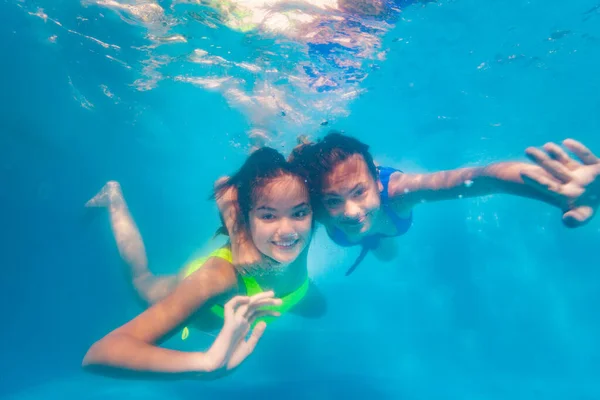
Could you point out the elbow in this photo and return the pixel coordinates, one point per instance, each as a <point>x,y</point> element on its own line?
<point>99,353</point>
<point>220,182</point>
<point>92,356</point>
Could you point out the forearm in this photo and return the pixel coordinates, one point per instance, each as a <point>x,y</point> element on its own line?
<point>495,178</point>
<point>242,247</point>
<point>240,239</point>
<point>506,177</point>
<point>119,354</point>
<point>230,214</point>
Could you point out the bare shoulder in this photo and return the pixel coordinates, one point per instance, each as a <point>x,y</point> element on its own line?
<point>215,279</point>
<point>395,182</point>
<point>399,189</point>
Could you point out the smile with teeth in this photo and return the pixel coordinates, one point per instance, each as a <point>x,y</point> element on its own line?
<point>286,243</point>
<point>355,222</point>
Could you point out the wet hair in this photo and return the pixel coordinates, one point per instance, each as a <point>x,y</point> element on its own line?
<point>316,160</point>
<point>259,169</point>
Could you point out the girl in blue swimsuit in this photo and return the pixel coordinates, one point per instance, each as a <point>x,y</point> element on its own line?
<point>361,204</point>
<point>372,242</point>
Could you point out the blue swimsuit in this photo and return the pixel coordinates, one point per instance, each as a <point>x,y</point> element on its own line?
<point>371,242</point>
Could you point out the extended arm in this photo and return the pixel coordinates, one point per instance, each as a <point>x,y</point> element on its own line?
<point>132,347</point>
<point>556,178</point>
<point>244,252</point>
<point>505,177</point>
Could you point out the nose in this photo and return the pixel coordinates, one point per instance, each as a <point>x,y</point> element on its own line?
<point>351,210</point>
<point>286,229</point>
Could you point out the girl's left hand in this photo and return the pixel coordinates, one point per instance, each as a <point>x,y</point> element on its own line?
<point>576,185</point>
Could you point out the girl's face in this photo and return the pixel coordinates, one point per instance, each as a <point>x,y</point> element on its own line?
<point>351,197</point>
<point>281,219</point>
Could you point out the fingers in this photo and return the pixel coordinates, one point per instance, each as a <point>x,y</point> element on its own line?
<point>247,347</point>
<point>557,153</point>
<point>553,167</point>
<point>246,306</point>
<point>221,181</point>
<point>541,182</point>
<point>257,333</point>
<point>234,304</point>
<point>584,154</point>
<point>265,303</point>
<point>260,300</point>
<point>578,216</point>
<point>263,313</point>
<point>262,296</point>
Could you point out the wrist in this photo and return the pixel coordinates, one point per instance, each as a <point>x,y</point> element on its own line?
<point>216,356</point>
<point>207,362</point>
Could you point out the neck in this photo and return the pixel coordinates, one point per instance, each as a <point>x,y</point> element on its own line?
<point>284,278</point>
<point>380,223</point>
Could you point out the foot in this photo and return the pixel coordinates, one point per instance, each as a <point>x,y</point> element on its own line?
<point>109,193</point>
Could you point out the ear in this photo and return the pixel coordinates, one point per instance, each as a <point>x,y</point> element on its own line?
<point>379,185</point>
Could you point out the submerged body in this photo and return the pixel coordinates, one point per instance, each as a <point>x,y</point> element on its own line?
<point>211,292</point>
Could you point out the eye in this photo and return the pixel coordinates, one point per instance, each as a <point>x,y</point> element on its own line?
<point>359,192</point>
<point>301,214</point>
<point>332,202</point>
<point>267,217</point>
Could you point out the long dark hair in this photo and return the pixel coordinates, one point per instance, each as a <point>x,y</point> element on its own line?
<point>258,170</point>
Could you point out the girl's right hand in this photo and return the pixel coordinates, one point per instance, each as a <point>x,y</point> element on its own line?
<point>245,255</point>
<point>231,346</point>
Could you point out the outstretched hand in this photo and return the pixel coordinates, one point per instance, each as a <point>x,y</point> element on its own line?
<point>574,184</point>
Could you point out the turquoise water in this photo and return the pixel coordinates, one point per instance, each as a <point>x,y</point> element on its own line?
<point>491,297</point>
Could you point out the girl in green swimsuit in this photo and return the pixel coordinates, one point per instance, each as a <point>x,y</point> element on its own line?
<point>275,209</point>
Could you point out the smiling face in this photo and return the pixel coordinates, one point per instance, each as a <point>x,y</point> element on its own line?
<point>350,195</point>
<point>281,219</point>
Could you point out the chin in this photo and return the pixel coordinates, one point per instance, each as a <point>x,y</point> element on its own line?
<point>285,258</point>
<point>358,232</point>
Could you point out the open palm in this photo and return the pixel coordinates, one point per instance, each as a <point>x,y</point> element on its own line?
<point>575,184</point>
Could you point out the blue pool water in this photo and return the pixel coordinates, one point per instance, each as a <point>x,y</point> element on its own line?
<point>491,298</point>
